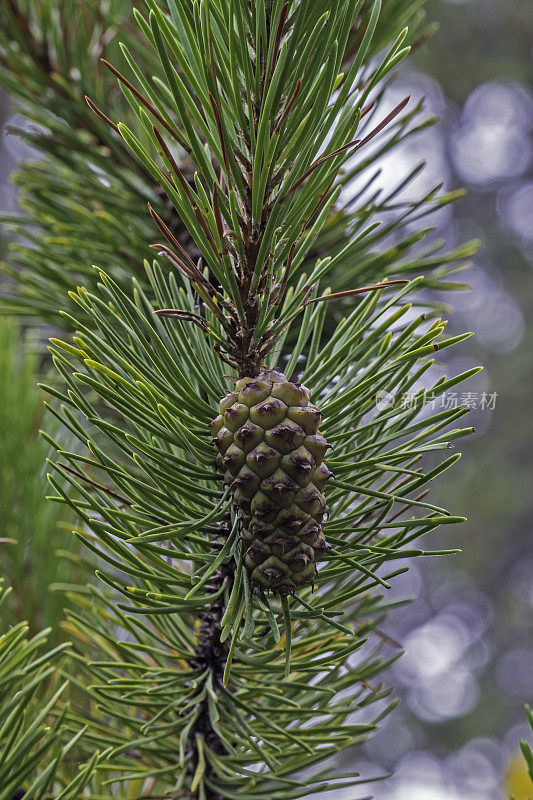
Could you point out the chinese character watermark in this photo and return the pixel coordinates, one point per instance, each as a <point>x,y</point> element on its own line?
<point>445,401</point>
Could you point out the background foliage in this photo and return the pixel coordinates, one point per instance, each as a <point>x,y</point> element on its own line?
<point>461,741</point>
<point>32,531</point>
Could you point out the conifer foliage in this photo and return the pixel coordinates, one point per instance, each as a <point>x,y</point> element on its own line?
<point>85,201</point>
<point>230,647</point>
<point>27,738</point>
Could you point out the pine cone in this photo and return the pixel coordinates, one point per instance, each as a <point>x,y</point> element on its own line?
<point>272,456</point>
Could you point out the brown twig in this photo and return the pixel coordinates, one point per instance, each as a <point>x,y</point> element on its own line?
<point>286,274</point>
<point>220,132</point>
<point>96,485</point>
<point>175,169</point>
<point>101,114</point>
<point>322,198</point>
<point>288,107</point>
<point>182,314</point>
<point>355,145</point>
<point>217,214</point>
<point>169,236</point>
<point>279,34</point>
<point>361,290</point>
<point>142,99</point>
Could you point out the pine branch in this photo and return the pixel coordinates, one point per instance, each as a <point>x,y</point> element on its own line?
<point>174,481</point>
<point>209,659</point>
<point>214,651</point>
<point>65,202</point>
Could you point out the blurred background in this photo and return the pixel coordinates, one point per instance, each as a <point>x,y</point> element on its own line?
<point>468,666</point>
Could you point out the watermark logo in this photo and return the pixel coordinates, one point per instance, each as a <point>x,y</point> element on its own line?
<point>475,401</point>
<point>384,400</point>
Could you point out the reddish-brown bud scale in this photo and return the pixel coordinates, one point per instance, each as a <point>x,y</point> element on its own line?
<point>271,452</point>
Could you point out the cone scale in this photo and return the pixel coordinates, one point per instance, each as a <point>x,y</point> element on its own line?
<point>272,455</point>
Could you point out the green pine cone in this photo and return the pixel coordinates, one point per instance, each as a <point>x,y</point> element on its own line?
<point>272,456</point>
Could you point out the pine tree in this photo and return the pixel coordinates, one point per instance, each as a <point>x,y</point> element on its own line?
<point>231,647</point>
